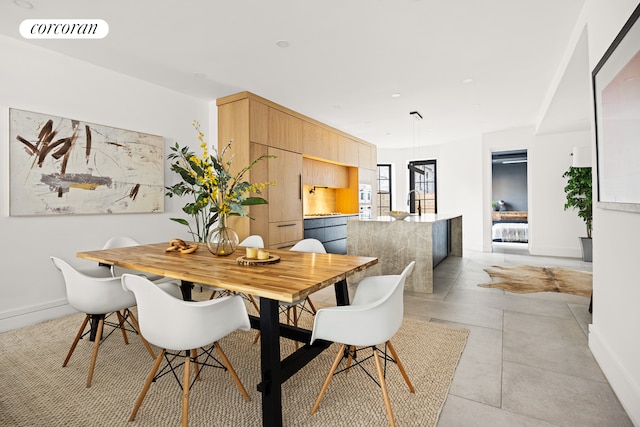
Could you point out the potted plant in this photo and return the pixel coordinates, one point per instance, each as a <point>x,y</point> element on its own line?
<point>578,192</point>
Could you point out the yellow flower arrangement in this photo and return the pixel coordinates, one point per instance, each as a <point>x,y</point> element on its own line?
<point>216,193</point>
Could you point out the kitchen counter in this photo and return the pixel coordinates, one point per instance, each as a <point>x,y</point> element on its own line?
<point>331,230</point>
<point>425,218</point>
<point>426,239</point>
<point>313,216</point>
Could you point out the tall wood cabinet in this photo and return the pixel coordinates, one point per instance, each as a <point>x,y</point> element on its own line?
<point>257,126</point>
<point>279,222</point>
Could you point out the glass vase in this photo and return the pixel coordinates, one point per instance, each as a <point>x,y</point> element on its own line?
<point>222,240</point>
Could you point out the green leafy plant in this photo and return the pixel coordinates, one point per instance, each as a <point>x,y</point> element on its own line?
<point>214,189</point>
<point>578,192</point>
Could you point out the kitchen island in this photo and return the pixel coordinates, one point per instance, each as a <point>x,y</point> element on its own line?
<point>426,239</point>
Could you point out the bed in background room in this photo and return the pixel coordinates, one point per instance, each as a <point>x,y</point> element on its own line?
<point>510,226</point>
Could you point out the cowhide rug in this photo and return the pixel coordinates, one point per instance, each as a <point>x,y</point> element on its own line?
<point>526,279</point>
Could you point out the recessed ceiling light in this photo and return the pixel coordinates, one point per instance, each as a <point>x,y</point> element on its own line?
<point>23,4</point>
<point>200,75</point>
<point>465,81</point>
<point>395,95</point>
<point>282,43</point>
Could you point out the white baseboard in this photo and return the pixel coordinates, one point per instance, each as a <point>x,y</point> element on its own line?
<point>554,251</point>
<point>621,381</point>
<point>15,319</point>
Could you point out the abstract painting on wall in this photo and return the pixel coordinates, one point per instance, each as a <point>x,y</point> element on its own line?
<point>64,166</point>
<point>616,87</point>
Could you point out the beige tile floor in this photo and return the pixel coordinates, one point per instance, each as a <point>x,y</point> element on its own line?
<point>527,360</point>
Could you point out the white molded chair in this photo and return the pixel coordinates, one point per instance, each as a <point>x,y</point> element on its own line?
<point>372,319</point>
<point>309,245</point>
<point>304,245</point>
<point>97,297</point>
<point>173,324</point>
<point>164,283</point>
<point>252,241</point>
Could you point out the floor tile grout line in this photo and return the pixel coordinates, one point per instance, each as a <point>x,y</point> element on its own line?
<point>558,372</point>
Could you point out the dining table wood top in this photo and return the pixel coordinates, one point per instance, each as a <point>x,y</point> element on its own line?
<point>296,276</point>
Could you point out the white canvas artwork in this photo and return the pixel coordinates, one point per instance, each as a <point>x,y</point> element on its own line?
<point>64,166</point>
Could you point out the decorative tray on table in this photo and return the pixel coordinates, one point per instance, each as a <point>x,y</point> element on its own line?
<point>255,261</point>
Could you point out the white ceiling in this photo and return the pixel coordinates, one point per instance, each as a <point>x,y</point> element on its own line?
<point>345,58</point>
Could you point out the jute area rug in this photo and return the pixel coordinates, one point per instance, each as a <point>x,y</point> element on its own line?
<point>526,279</point>
<point>36,391</point>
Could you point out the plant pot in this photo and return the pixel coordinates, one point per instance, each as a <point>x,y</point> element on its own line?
<point>587,249</point>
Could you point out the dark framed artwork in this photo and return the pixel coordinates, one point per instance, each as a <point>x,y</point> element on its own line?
<point>62,166</point>
<point>616,88</point>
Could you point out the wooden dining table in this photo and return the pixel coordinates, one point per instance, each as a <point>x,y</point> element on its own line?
<point>293,277</point>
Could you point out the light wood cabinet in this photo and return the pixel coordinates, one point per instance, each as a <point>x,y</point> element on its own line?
<point>366,156</point>
<point>258,122</point>
<point>285,131</point>
<point>280,221</point>
<point>319,142</point>
<point>348,150</point>
<point>285,198</point>
<point>258,126</point>
<point>324,174</point>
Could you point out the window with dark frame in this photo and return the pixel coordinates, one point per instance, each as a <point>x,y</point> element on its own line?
<point>422,196</point>
<point>384,189</point>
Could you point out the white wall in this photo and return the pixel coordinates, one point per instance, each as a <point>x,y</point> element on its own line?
<point>459,185</point>
<point>552,230</point>
<point>39,80</point>
<point>464,186</point>
<point>614,333</point>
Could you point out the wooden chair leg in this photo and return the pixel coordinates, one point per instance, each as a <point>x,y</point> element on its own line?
<point>121,326</point>
<point>288,315</point>
<point>350,354</point>
<point>196,365</point>
<point>185,391</point>
<point>400,366</point>
<point>327,380</point>
<point>96,346</point>
<point>254,303</point>
<point>313,308</point>
<point>296,317</point>
<point>232,372</point>
<point>383,386</point>
<point>75,341</point>
<point>136,325</point>
<point>147,384</point>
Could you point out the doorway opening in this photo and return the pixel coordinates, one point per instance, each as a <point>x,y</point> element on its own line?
<point>509,200</point>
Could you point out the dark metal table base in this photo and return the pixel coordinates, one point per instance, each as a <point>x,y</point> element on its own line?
<point>274,371</point>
